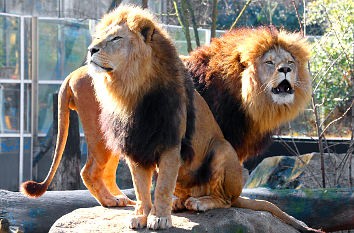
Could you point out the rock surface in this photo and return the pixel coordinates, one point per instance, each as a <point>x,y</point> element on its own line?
<point>99,219</point>
<point>290,172</point>
<point>328,209</point>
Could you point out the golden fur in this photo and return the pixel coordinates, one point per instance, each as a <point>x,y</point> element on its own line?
<point>130,59</point>
<point>233,67</point>
<point>77,93</point>
<point>115,82</point>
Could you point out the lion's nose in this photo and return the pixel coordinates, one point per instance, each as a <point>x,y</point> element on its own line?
<point>284,69</point>
<point>93,50</point>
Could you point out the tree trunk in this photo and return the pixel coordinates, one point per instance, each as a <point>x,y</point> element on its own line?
<point>67,176</point>
<point>194,23</point>
<point>145,3</point>
<point>214,17</point>
<point>186,25</point>
<point>183,21</point>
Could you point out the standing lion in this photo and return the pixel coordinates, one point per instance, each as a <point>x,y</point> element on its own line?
<point>136,100</point>
<point>253,80</point>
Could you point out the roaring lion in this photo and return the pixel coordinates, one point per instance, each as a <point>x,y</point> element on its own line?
<point>254,80</point>
<point>136,100</point>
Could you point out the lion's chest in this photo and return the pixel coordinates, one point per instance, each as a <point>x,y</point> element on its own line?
<point>153,127</point>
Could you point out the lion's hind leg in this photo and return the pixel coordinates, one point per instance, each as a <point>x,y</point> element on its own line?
<point>93,177</point>
<point>109,178</point>
<point>233,184</point>
<point>178,204</point>
<point>225,172</point>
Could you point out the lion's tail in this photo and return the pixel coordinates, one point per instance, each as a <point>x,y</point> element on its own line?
<point>253,204</point>
<point>32,188</point>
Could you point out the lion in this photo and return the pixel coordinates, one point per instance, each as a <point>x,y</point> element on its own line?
<point>132,102</point>
<point>254,80</point>
<point>136,101</point>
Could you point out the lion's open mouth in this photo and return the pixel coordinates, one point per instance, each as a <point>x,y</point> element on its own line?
<point>283,88</point>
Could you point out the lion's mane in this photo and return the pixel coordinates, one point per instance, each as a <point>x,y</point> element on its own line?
<point>224,73</point>
<point>143,102</point>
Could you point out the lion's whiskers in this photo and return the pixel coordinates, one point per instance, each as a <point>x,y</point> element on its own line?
<point>302,85</point>
<point>265,86</point>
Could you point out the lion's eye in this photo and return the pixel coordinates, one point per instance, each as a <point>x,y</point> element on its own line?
<point>116,38</point>
<point>269,62</point>
<point>290,62</point>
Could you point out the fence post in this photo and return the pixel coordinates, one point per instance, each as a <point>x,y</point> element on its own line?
<point>67,176</point>
<point>35,149</point>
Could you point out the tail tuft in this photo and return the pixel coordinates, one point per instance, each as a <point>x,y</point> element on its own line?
<point>33,189</point>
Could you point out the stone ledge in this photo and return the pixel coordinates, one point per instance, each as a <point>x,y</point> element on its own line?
<point>100,219</point>
<point>328,209</point>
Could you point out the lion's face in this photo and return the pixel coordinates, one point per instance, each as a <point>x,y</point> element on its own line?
<point>113,49</point>
<point>277,71</point>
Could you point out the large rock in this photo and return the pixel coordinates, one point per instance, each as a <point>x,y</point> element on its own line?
<point>328,209</point>
<point>99,219</point>
<point>37,215</point>
<point>291,172</point>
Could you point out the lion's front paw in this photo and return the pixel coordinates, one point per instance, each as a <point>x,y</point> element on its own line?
<point>156,223</point>
<point>117,201</point>
<point>177,204</point>
<point>122,201</point>
<point>138,221</point>
<point>193,203</point>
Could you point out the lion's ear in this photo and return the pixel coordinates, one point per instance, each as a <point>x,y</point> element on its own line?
<point>147,31</point>
<point>144,26</point>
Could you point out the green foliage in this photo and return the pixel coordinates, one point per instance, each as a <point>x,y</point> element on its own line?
<point>332,53</point>
<point>258,13</point>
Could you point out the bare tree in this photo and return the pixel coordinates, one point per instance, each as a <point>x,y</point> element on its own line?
<point>322,127</point>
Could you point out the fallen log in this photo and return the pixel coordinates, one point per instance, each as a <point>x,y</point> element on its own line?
<point>38,215</point>
<point>329,209</point>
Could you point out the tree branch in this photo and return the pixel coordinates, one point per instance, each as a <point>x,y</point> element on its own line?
<point>240,14</point>
<point>339,118</point>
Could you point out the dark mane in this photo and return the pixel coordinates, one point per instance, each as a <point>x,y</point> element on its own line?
<point>153,128</point>
<point>234,122</point>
